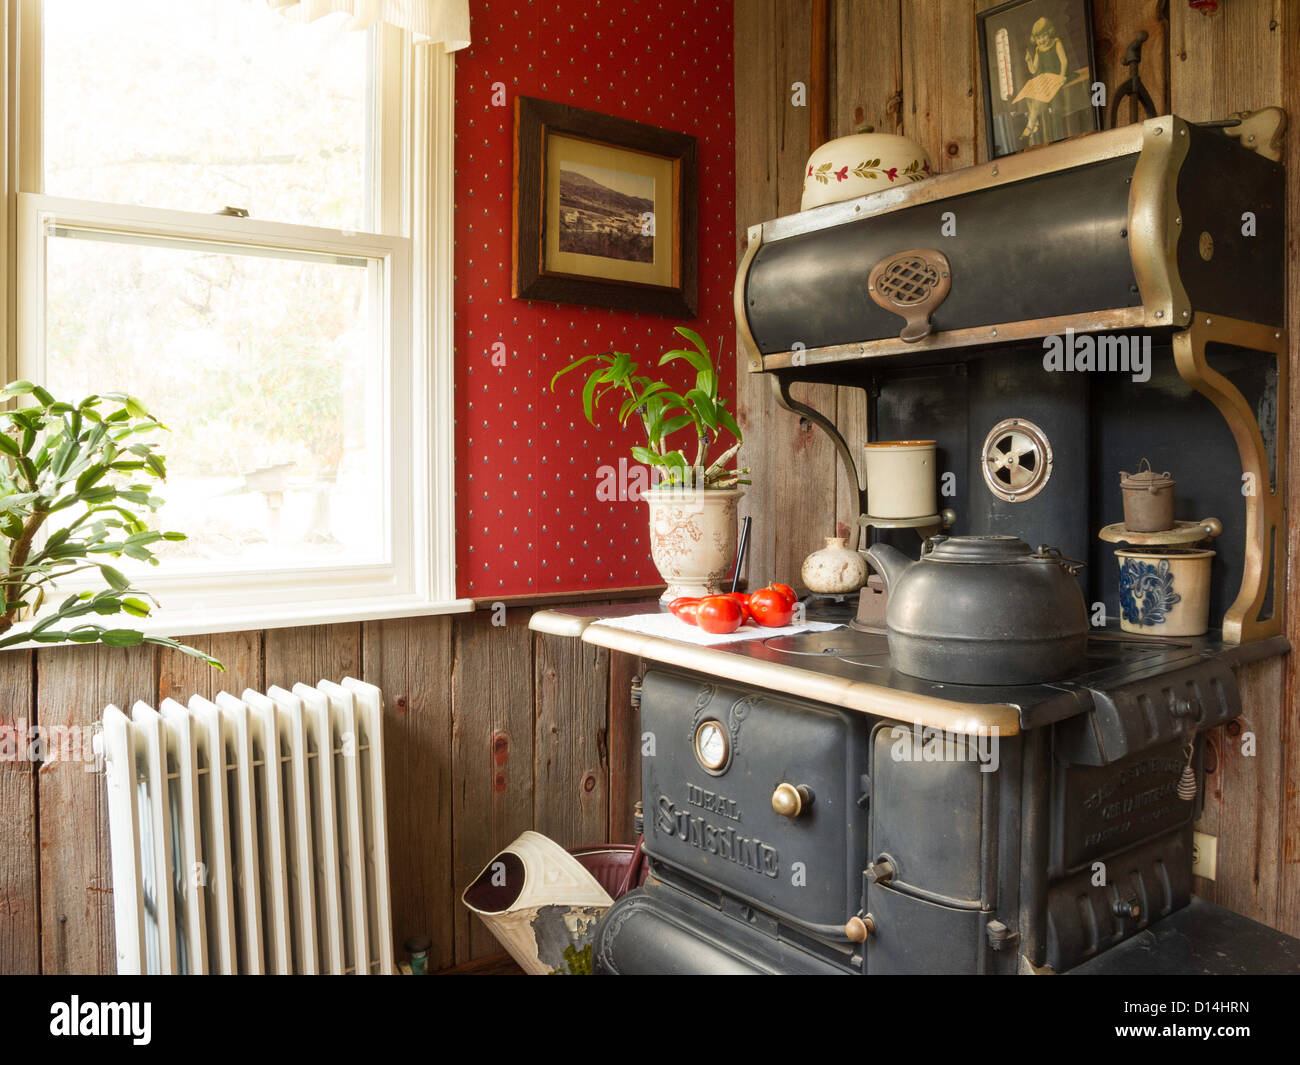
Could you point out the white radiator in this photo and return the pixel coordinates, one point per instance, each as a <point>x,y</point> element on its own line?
<point>248,834</point>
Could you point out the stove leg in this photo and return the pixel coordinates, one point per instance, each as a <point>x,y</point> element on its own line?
<point>1034,840</point>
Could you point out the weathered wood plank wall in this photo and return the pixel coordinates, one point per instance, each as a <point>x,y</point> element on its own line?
<point>489,730</point>
<point>912,66</point>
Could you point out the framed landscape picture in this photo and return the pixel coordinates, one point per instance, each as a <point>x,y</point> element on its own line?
<point>605,211</point>
<point>1036,59</point>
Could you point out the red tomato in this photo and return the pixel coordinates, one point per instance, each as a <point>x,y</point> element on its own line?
<point>786,591</point>
<point>683,608</point>
<point>743,599</point>
<point>771,608</point>
<point>719,614</point>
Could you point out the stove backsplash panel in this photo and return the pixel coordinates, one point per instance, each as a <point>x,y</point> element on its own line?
<point>1098,424</point>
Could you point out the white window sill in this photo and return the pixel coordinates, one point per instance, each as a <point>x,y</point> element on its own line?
<point>181,623</point>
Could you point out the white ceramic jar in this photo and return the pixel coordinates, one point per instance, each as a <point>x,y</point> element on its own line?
<point>901,480</point>
<point>835,569</point>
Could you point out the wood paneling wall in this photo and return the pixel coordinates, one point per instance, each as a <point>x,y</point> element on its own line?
<point>489,730</point>
<point>912,66</point>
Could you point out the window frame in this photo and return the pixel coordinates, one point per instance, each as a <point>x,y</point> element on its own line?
<point>413,178</point>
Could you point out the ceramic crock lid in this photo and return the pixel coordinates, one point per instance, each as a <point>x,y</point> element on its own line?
<point>1145,479</point>
<point>982,549</point>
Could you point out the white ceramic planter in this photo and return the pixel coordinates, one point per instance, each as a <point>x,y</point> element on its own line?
<point>901,480</point>
<point>848,167</point>
<point>1164,593</point>
<point>692,538</point>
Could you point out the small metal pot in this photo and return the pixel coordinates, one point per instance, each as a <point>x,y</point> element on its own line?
<point>1148,499</point>
<point>983,610</point>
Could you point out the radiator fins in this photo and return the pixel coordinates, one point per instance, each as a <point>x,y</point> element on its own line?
<point>248,834</point>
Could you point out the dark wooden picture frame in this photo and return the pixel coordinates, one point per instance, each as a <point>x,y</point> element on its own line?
<point>536,121</point>
<point>1006,133</point>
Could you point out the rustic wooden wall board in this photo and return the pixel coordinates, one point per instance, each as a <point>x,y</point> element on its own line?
<point>794,462</point>
<point>868,67</point>
<point>410,661</point>
<point>492,754</point>
<point>310,653</point>
<point>1288,859</point>
<point>75,684</point>
<point>20,924</point>
<point>181,676</point>
<point>1114,25</point>
<point>570,751</point>
<point>941,102</point>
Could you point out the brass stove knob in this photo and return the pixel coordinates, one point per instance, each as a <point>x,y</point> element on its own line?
<point>857,928</point>
<point>790,800</point>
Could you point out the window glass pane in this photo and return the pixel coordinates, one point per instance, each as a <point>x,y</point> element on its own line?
<point>266,372</point>
<point>201,104</point>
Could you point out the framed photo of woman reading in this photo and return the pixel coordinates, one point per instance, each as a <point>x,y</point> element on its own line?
<point>1038,68</point>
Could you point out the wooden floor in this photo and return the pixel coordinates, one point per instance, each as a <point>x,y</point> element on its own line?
<point>496,965</point>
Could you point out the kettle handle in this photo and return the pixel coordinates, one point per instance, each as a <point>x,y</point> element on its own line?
<point>931,542</point>
<point>1072,566</point>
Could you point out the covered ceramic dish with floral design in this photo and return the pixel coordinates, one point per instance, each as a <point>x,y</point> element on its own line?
<point>848,167</point>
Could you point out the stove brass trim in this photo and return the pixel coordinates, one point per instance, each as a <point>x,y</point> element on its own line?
<point>999,333</point>
<point>1155,221</point>
<point>1266,508</point>
<point>744,337</point>
<point>969,719</point>
<point>1262,131</point>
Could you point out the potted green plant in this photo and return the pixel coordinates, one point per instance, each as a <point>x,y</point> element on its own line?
<point>74,494</point>
<point>694,499</point>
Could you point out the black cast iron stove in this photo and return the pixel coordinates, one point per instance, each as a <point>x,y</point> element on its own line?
<point>1001,830</point>
<point>807,808</point>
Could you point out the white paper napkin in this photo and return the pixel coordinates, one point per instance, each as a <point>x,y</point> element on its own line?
<point>672,628</point>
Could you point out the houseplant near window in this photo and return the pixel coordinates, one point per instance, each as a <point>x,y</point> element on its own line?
<point>74,494</point>
<point>693,502</point>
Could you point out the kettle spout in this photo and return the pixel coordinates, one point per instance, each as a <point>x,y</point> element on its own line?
<point>889,562</point>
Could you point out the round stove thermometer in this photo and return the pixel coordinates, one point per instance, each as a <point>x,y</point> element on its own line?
<point>712,746</point>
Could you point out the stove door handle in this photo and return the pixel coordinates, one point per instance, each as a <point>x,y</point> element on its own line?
<point>791,800</point>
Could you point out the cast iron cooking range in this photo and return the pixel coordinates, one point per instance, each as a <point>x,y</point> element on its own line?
<point>808,846</point>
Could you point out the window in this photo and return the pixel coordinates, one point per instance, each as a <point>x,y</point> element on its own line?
<point>244,220</point>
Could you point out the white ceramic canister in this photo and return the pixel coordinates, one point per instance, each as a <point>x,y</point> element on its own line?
<point>1164,593</point>
<point>901,480</point>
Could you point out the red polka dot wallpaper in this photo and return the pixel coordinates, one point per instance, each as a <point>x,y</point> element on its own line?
<point>528,519</point>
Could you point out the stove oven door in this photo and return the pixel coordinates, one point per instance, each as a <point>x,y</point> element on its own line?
<point>758,795</point>
<point>929,882</point>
